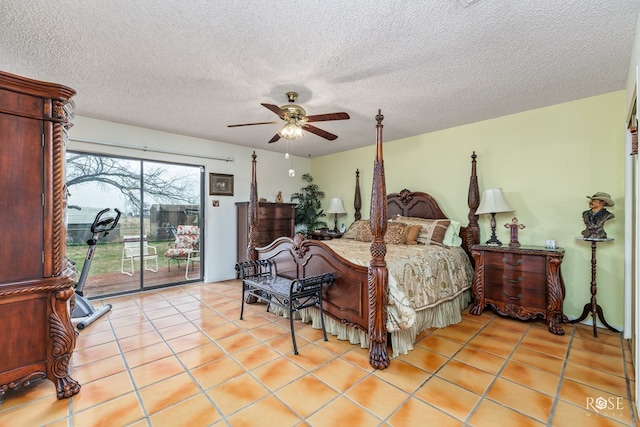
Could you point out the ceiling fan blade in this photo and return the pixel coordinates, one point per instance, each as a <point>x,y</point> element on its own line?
<point>275,138</point>
<point>327,117</point>
<point>319,132</point>
<point>252,124</point>
<point>275,109</point>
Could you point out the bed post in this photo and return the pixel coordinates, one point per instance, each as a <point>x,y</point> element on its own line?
<point>357,202</point>
<point>252,255</point>
<point>472,234</point>
<point>378,275</point>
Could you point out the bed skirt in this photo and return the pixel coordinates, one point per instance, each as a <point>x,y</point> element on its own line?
<point>442,315</point>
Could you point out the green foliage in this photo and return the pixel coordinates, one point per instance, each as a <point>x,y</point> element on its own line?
<point>309,207</point>
<point>106,258</point>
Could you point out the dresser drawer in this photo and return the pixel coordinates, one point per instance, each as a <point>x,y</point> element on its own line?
<point>277,212</point>
<point>277,225</point>
<point>515,261</point>
<point>524,279</point>
<point>516,295</point>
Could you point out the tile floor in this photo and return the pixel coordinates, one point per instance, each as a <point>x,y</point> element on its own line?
<point>181,357</point>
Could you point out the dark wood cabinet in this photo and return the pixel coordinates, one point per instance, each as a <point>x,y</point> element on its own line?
<point>523,283</point>
<point>274,220</point>
<point>36,280</point>
<point>325,234</point>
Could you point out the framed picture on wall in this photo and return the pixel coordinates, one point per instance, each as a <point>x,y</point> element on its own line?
<point>220,184</point>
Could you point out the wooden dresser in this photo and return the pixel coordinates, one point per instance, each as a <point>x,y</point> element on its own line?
<point>36,279</point>
<point>523,283</point>
<point>275,220</point>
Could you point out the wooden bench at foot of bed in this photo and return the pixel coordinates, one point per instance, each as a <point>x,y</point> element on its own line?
<point>292,295</point>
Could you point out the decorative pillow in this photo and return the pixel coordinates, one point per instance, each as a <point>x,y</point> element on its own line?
<point>363,234</point>
<point>452,236</point>
<point>396,233</point>
<point>432,231</point>
<point>412,234</point>
<point>353,229</point>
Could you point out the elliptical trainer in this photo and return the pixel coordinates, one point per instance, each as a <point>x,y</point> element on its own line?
<point>83,308</point>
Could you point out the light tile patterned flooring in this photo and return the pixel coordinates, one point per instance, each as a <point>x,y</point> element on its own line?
<point>181,357</point>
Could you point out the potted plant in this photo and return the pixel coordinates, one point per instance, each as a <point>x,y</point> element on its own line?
<point>309,208</point>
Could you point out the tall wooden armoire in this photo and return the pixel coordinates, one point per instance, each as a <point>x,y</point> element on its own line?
<point>36,279</point>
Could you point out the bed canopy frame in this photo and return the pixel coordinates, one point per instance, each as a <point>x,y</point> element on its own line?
<point>366,303</point>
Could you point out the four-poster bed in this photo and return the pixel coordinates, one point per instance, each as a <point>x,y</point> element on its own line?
<point>358,301</point>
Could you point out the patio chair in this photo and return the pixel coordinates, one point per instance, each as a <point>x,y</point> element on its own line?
<point>185,248</point>
<point>194,256</point>
<point>132,252</point>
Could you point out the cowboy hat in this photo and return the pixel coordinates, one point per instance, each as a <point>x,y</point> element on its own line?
<point>606,198</point>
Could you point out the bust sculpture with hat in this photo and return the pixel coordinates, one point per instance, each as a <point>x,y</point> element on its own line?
<point>595,217</point>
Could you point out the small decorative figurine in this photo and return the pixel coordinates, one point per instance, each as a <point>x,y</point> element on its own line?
<point>279,197</point>
<point>513,227</point>
<point>595,217</point>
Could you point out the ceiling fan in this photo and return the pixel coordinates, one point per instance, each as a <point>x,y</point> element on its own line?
<point>295,120</point>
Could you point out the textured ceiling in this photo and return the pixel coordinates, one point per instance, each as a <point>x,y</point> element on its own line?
<point>194,67</point>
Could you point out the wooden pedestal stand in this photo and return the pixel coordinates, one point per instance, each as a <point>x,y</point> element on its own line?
<point>593,307</point>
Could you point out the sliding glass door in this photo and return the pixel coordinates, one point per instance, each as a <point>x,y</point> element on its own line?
<point>158,239</point>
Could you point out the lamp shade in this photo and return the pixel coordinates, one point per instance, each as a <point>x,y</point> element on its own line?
<point>336,206</point>
<point>493,201</point>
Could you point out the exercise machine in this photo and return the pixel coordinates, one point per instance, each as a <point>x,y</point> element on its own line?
<point>102,225</point>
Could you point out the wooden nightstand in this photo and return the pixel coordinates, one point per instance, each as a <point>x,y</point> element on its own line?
<point>524,283</point>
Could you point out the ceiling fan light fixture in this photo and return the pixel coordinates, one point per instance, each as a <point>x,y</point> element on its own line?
<point>291,131</point>
<point>296,122</point>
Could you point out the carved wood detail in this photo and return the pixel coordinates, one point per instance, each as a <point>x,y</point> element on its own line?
<point>357,201</point>
<point>63,341</point>
<point>253,211</point>
<point>471,234</point>
<point>298,248</point>
<point>378,275</point>
<point>22,382</point>
<point>476,287</point>
<point>405,197</point>
<point>58,235</point>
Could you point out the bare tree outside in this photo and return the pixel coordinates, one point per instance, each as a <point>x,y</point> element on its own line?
<point>106,172</point>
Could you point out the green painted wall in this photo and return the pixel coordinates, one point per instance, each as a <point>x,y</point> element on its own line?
<point>546,160</point>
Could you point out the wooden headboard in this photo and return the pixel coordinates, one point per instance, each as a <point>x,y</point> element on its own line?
<point>422,205</point>
<point>417,205</point>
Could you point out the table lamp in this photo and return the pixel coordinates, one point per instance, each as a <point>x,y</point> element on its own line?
<point>336,207</point>
<point>493,202</point>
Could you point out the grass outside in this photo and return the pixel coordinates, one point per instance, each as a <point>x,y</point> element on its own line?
<point>107,257</point>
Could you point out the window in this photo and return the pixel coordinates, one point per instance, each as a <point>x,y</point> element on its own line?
<point>156,200</point>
